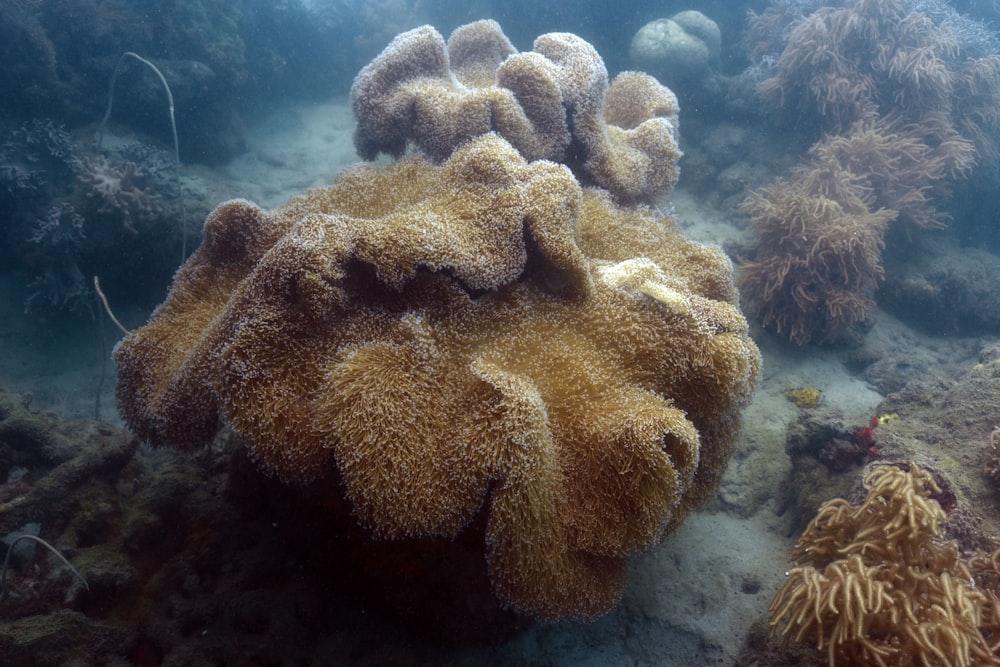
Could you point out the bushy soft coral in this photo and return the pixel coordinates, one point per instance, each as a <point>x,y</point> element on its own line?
<point>875,583</point>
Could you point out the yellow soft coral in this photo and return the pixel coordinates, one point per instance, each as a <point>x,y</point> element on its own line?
<point>874,584</point>
<point>804,397</point>
<point>480,332</point>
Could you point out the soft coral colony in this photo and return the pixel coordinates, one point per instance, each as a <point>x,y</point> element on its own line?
<point>467,332</point>
<point>910,102</point>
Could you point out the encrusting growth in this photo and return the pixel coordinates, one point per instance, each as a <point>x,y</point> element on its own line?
<point>875,584</point>
<point>473,336</point>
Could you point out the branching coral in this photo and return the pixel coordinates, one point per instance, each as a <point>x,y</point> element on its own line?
<point>31,155</point>
<point>552,103</point>
<point>61,284</point>
<point>47,144</point>
<point>874,584</point>
<point>62,229</point>
<point>483,333</point>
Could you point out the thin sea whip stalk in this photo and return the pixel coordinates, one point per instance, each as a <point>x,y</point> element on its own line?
<point>173,128</point>
<point>10,550</point>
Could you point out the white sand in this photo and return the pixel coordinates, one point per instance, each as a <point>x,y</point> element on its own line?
<point>295,149</point>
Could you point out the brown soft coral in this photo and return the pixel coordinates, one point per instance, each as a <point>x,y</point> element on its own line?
<point>817,255</point>
<point>886,55</point>
<point>914,99</point>
<point>819,235</point>
<point>552,103</point>
<point>479,333</point>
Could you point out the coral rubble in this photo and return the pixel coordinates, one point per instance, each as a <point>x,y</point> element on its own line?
<point>947,288</point>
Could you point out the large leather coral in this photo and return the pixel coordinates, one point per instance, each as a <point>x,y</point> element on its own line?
<point>479,333</point>
<point>875,583</point>
<point>551,103</point>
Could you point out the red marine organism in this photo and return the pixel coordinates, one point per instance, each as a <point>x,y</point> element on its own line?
<point>865,438</point>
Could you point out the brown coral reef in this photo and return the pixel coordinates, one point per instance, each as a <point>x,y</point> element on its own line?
<point>482,332</point>
<point>912,107</point>
<point>552,103</point>
<point>876,584</point>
